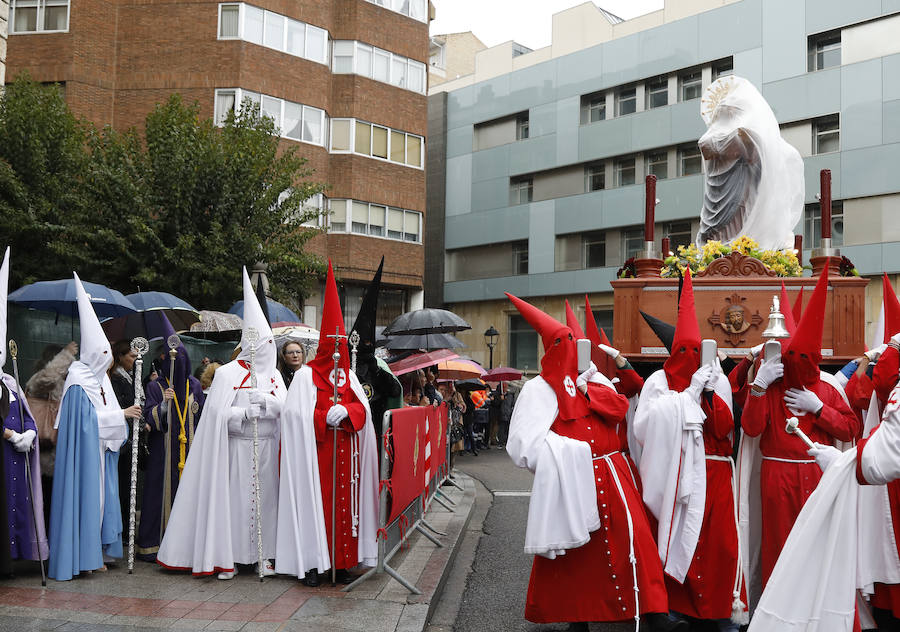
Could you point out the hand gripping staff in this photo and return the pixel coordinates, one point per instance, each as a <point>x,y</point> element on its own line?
<point>252,336</point>
<point>13,352</point>
<point>793,427</point>
<point>139,346</point>
<point>335,399</point>
<point>173,342</point>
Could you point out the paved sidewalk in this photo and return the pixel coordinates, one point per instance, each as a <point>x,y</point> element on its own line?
<point>153,598</point>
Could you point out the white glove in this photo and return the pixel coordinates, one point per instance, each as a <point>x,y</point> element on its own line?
<point>699,380</point>
<point>585,377</point>
<point>874,354</point>
<point>14,438</point>
<point>25,441</point>
<point>335,415</point>
<point>252,411</point>
<point>803,400</point>
<point>612,353</point>
<point>755,351</point>
<point>824,455</point>
<point>768,372</point>
<point>257,397</point>
<point>714,375</point>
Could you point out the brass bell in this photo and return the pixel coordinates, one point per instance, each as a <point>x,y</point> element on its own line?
<point>776,329</point>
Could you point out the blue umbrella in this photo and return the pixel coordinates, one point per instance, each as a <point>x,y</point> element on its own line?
<point>59,297</point>
<point>179,312</point>
<point>277,312</point>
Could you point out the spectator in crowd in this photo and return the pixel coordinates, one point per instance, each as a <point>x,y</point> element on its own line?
<point>509,402</point>
<point>201,368</point>
<point>430,387</point>
<point>469,422</point>
<point>495,404</point>
<point>206,377</point>
<point>290,359</point>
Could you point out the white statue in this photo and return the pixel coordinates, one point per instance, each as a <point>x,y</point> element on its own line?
<point>754,178</point>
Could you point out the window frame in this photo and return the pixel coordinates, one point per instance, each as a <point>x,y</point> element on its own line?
<point>650,91</point>
<point>40,8</point>
<point>239,95</point>
<point>818,45</point>
<point>516,187</point>
<point>520,257</point>
<point>421,4</point>
<point>522,126</point>
<point>348,203</point>
<point>812,223</point>
<point>631,234</point>
<point>683,84</point>
<point>619,167</point>
<point>682,227</point>
<point>817,133</point>
<point>619,100</point>
<point>322,56</point>
<point>649,163</point>
<point>592,239</point>
<point>390,134</point>
<point>519,333</point>
<point>592,171</point>
<point>718,66</point>
<point>689,152</point>
<point>412,67</point>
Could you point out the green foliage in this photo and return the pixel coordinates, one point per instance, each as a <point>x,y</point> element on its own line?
<point>179,210</point>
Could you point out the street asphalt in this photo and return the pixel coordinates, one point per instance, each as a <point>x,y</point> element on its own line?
<point>498,569</point>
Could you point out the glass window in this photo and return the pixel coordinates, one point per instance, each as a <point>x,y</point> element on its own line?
<point>340,134</point>
<point>411,225</point>
<point>657,92</point>
<point>313,124</point>
<point>690,85</point>
<point>25,16</point>
<point>360,223</point>
<point>382,66</point>
<point>416,76</point>
<point>626,101</point>
<point>520,191</point>
<point>296,38</point>
<point>520,257</point>
<point>593,246</point>
<point>293,116</point>
<point>812,224</point>
<point>824,51</point>
<point>632,241</point>
<point>379,141</point>
<point>624,172</point>
<point>723,68</point>
<point>398,147</point>
<point>418,9</point>
<point>253,24</point>
<point>594,177</point>
<point>395,223</point>
<point>376,220</point>
<point>523,344</point>
<point>522,127</point>
<point>363,138</point>
<point>271,107</point>
<point>229,16</point>
<point>253,97</point>
<point>689,160</point>
<point>224,104</point>
<point>342,54</point>
<point>413,150</point>
<point>56,15</point>
<point>339,215</point>
<point>398,71</point>
<point>35,16</point>
<point>274,36</point>
<point>316,40</point>
<point>679,234</point>
<point>363,60</point>
<point>658,164</point>
<point>597,109</point>
<point>826,134</point>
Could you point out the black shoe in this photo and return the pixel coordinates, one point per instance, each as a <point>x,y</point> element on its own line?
<point>474,452</point>
<point>312,578</point>
<point>344,577</point>
<point>660,622</point>
<point>578,626</point>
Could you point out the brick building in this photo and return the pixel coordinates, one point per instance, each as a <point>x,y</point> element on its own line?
<point>345,81</point>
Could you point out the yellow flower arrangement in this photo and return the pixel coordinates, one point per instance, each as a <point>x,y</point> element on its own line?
<point>783,262</point>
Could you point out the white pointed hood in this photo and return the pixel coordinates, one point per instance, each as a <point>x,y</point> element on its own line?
<point>266,353</point>
<point>96,351</point>
<point>4,291</point>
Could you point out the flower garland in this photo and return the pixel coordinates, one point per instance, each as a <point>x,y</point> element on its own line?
<point>783,262</point>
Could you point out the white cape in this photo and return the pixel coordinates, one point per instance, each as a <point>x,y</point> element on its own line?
<point>199,535</point>
<point>672,465</point>
<point>562,511</point>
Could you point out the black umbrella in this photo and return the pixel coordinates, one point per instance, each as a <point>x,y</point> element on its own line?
<point>471,384</point>
<point>426,321</point>
<point>424,341</point>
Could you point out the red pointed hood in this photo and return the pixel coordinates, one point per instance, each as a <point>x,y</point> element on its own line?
<point>891,309</point>
<point>803,353</point>
<point>797,309</point>
<point>789,322</point>
<point>605,364</point>
<point>572,322</point>
<point>559,364</point>
<point>685,355</point>
<point>332,323</point>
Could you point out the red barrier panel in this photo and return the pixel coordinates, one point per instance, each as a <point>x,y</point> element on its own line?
<point>438,429</point>
<point>409,441</point>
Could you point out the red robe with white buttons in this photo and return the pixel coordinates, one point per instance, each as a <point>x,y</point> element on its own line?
<point>594,582</point>
<point>346,551</point>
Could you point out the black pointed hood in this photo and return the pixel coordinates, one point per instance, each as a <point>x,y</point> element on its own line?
<point>663,330</point>
<point>365,320</point>
<point>261,297</point>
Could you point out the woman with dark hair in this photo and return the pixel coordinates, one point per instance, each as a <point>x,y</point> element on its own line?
<point>290,359</point>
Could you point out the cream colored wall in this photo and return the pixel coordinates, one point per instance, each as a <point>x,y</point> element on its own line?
<point>799,135</point>
<point>479,262</point>
<point>871,220</point>
<point>870,40</point>
<point>494,133</point>
<point>459,57</point>
<point>558,183</point>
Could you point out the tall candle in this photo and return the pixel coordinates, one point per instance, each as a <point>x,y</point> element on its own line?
<point>650,207</point>
<point>825,201</point>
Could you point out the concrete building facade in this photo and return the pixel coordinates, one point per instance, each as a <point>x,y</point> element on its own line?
<point>546,152</point>
<point>345,81</point>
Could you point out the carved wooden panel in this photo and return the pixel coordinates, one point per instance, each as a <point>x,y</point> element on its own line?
<point>736,264</point>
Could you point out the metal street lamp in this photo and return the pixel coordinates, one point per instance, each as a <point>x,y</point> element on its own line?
<point>490,339</point>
